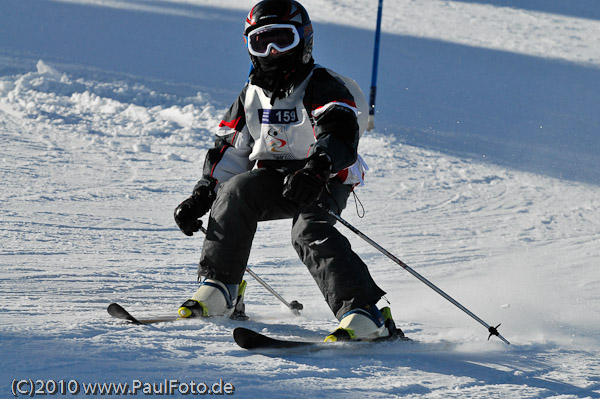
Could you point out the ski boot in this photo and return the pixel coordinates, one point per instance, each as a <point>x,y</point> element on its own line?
<point>215,298</point>
<point>367,323</point>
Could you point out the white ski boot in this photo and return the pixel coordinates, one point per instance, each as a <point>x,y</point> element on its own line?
<point>368,324</point>
<point>215,298</point>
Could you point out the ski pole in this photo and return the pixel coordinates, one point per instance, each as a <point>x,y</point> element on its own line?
<point>294,306</point>
<point>492,330</point>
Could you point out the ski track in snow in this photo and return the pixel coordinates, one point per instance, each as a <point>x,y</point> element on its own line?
<point>86,220</point>
<point>93,164</point>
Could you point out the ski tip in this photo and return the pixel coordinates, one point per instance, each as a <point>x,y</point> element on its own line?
<point>119,312</point>
<point>115,309</point>
<point>246,338</point>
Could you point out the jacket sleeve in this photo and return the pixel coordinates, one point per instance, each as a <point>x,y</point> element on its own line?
<point>334,115</point>
<point>233,145</point>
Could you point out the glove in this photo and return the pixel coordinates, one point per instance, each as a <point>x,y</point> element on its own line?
<point>306,185</point>
<point>188,213</point>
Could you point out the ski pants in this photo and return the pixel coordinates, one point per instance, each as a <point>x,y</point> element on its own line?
<point>255,196</point>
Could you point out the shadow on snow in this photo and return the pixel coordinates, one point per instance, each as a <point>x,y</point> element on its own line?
<point>528,113</point>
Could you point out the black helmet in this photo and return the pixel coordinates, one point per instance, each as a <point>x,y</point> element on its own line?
<point>284,13</point>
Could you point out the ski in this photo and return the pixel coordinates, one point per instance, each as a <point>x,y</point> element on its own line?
<point>119,312</point>
<point>250,339</point>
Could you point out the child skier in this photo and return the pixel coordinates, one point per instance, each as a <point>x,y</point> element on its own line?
<point>285,149</point>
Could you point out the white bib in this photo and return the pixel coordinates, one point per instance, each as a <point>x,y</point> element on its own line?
<point>282,131</point>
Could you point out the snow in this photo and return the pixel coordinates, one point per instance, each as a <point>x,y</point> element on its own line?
<point>483,177</point>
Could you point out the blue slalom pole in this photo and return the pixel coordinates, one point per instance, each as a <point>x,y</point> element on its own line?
<point>371,122</point>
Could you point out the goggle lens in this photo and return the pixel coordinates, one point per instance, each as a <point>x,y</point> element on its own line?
<point>279,37</point>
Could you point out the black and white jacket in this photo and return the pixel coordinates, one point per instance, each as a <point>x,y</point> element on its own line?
<point>324,113</point>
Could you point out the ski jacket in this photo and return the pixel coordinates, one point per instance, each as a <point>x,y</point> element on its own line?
<point>324,113</point>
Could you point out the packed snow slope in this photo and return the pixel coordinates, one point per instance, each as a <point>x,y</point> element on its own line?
<point>483,177</point>
<point>517,87</point>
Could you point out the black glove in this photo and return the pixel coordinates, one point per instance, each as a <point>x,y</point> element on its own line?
<point>188,213</point>
<point>306,185</point>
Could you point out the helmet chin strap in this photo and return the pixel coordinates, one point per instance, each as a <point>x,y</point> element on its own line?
<point>279,77</point>
<point>273,68</point>
<point>277,69</point>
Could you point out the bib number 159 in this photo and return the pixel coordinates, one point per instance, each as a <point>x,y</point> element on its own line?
<point>278,116</point>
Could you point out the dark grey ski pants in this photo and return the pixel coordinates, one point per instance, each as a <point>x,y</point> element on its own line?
<point>255,196</point>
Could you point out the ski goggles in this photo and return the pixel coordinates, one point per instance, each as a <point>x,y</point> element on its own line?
<point>281,37</point>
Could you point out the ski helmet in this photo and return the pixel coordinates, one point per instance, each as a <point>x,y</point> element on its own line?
<point>283,13</point>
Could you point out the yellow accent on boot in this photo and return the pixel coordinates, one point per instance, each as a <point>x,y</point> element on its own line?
<point>387,313</point>
<point>341,334</point>
<point>330,338</point>
<point>242,289</point>
<point>184,312</point>
<point>192,307</point>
